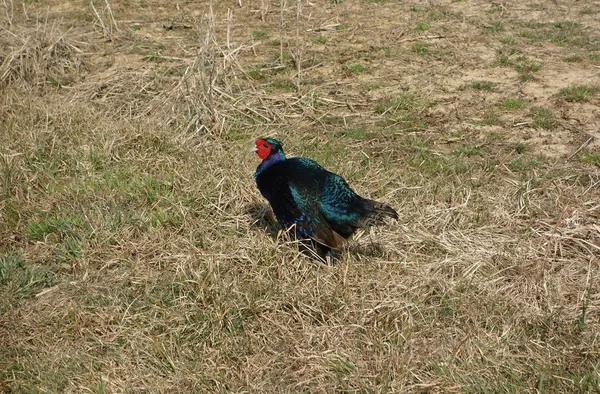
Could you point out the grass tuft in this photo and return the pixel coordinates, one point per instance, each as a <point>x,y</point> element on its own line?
<point>422,27</point>
<point>543,118</point>
<point>588,158</point>
<point>357,68</point>
<point>438,14</point>
<point>259,34</point>
<point>578,93</point>
<point>321,39</point>
<point>526,68</point>
<point>420,48</point>
<point>513,104</point>
<point>34,56</point>
<point>573,59</point>
<point>494,28</point>
<point>372,86</point>
<point>483,85</point>
<point>20,278</point>
<point>508,41</point>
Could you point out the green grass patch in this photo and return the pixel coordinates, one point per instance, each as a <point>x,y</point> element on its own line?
<point>578,93</point>
<point>594,57</point>
<point>523,164</point>
<point>20,278</point>
<point>494,8</point>
<point>283,85</point>
<point>163,216</point>
<point>561,33</point>
<point>321,39</point>
<point>63,226</point>
<point>503,60</point>
<point>589,158</point>
<point>256,72</point>
<point>259,34</point>
<point>327,152</point>
<point>389,52</point>
<point>372,86</point>
<point>573,59</point>
<point>526,67</point>
<point>422,27</point>
<point>438,14</point>
<point>494,28</point>
<point>359,133</point>
<point>341,367</point>
<point>468,150</point>
<point>513,104</point>
<point>356,68</point>
<point>504,56</point>
<point>57,81</point>
<point>143,188</point>
<point>155,57</point>
<point>508,41</point>
<point>429,162</point>
<point>482,85</point>
<point>420,48</point>
<point>281,58</point>
<point>543,118</point>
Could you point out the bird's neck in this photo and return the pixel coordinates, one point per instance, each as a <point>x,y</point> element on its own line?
<point>269,161</point>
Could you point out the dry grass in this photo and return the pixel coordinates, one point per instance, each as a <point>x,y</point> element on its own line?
<point>137,254</point>
<point>37,54</point>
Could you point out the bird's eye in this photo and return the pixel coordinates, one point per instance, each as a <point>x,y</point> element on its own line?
<point>265,146</point>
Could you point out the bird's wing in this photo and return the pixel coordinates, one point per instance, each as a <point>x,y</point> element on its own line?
<point>326,196</point>
<point>309,216</point>
<point>339,203</point>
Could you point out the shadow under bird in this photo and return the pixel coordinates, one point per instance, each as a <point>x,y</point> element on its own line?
<point>315,204</point>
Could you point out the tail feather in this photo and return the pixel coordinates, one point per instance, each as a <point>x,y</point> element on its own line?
<point>376,212</point>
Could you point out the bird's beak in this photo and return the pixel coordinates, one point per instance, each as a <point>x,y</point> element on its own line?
<point>254,149</point>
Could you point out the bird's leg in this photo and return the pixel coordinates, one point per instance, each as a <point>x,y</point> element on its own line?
<point>331,256</point>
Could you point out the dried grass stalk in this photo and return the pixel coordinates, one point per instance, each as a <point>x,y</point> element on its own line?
<point>37,55</point>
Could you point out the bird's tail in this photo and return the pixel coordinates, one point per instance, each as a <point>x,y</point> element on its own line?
<point>376,212</point>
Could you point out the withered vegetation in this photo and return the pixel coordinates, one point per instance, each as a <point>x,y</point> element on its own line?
<point>136,254</point>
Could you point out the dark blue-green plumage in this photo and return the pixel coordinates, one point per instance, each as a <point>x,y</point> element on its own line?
<point>317,203</point>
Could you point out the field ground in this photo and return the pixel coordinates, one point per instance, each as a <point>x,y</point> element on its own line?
<point>136,254</point>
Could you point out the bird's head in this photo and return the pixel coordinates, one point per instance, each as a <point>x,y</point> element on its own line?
<point>266,147</point>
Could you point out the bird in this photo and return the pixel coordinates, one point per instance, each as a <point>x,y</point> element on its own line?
<point>316,205</point>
